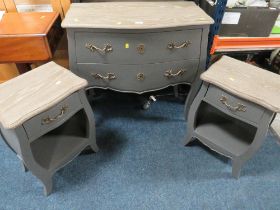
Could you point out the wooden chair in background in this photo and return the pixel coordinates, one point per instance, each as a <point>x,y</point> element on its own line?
<point>60,6</point>
<point>10,70</point>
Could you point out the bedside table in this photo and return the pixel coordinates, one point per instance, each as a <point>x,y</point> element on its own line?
<point>138,47</point>
<point>233,110</point>
<point>46,120</point>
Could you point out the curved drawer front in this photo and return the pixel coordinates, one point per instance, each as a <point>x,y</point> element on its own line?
<point>121,48</point>
<point>52,118</point>
<point>233,104</point>
<point>139,78</point>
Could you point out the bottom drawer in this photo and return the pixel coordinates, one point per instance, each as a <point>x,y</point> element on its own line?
<point>139,78</point>
<point>237,106</point>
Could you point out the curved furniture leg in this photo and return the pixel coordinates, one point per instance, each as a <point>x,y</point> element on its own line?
<point>48,185</point>
<point>192,113</point>
<point>192,94</point>
<point>201,68</point>
<point>91,122</point>
<point>261,132</point>
<point>189,139</point>
<point>24,168</point>
<point>237,164</point>
<point>94,147</point>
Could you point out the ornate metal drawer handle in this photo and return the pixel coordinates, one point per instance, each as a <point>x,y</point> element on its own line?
<point>169,73</point>
<point>240,107</point>
<point>172,45</point>
<point>49,119</point>
<point>107,48</point>
<point>140,76</point>
<point>110,76</point>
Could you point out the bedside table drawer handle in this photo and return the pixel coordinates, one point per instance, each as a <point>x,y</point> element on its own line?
<point>169,73</point>
<point>49,120</point>
<point>172,45</point>
<point>107,48</point>
<point>240,107</point>
<point>110,76</point>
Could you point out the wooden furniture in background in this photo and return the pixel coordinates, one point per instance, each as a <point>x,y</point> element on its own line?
<point>29,37</point>
<point>8,71</point>
<point>8,5</point>
<point>60,6</point>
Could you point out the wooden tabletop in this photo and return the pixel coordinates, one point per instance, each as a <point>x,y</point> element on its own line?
<point>135,15</point>
<point>246,81</point>
<point>31,23</point>
<point>26,37</point>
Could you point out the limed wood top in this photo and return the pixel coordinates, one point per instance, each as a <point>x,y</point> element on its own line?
<point>30,23</point>
<point>134,15</point>
<point>246,81</point>
<point>29,94</point>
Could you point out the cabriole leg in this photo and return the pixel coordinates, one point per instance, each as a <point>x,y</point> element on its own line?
<point>48,185</point>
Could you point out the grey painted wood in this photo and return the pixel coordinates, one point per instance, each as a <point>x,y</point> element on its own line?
<point>12,139</point>
<point>124,47</point>
<point>53,150</point>
<point>34,127</point>
<point>156,52</point>
<point>253,111</point>
<point>239,161</point>
<point>201,68</point>
<point>90,125</point>
<point>135,15</point>
<point>228,134</point>
<point>140,78</point>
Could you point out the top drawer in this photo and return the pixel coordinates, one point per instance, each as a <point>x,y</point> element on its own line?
<point>122,48</point>
<point>53,117</point>
<point>230,103</point>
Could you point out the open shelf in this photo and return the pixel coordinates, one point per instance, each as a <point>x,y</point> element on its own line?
<point>59,146</point>
<point>225,132</point>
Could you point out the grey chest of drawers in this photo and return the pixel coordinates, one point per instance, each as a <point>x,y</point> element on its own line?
<point>138,46</point>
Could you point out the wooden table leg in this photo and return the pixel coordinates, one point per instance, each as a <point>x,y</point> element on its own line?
<point>23,67</point>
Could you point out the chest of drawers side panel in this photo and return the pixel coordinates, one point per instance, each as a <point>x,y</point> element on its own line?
<point>72,50</point>
<point>195,86</point>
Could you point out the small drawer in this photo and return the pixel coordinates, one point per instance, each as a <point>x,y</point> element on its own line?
<point>139,78</point>
<point>137,48</point>
<point>233,104</point>
<point>53,117</point>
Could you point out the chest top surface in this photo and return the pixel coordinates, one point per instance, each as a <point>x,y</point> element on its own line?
<point>135,15</point>
<point>246,81</point>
